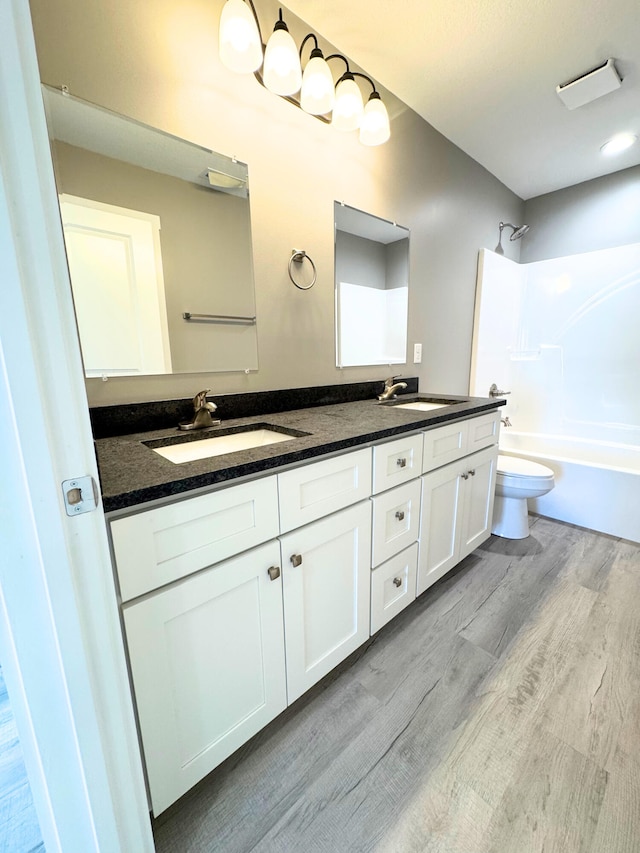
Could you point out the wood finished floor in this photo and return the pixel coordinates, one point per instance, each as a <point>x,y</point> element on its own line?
<point>19,828</point>
<point>500,713</point>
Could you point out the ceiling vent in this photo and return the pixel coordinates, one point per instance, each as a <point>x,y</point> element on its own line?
<point>594,84</point>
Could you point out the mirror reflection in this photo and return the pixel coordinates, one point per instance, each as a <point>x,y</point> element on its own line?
<point>158,238</point>
<point>372,287</point>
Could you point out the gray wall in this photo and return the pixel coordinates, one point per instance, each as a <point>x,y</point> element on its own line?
<point>598,214</point>
<point>158,63</point>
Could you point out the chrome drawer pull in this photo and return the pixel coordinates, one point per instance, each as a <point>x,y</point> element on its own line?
<point>400,515</point>
<point>296,560</point>
<point>401,463</point>
<point>274,572</point>
<point>397,582</point>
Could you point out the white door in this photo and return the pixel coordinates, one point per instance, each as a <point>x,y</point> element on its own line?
<point>115,264</point>
<point>479,493</point>
<point>60,638</point>
<point>207,658</point>
<point>439,523</point>
<point>326,586</point>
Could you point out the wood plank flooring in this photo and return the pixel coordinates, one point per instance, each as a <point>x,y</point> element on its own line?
<point>500,713</point>
<point>19,828</point>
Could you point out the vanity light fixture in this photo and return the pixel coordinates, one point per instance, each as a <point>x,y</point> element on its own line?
<point>618,143</point>
<point>317,95</point>
<point>282,72</point>
<point>240,39</point>
<point>340,104</point>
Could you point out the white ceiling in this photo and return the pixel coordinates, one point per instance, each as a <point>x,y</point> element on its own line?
<point>484,72</point>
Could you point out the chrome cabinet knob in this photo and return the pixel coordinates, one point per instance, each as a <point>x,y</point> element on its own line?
<point>401,463</point>
<point>274,572</point>
<point>397,582</point>
<point>472,471</point>
<point>464,475</point>
<point>400,515</point>
<point>296,560</point>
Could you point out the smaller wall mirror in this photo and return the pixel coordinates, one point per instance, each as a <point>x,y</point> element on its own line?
<point>158,238</point>
<point>372,288</point>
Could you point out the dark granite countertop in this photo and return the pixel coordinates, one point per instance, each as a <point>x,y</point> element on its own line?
<point>131,473</point>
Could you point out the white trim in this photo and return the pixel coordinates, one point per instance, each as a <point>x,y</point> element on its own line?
<point>60,638</point>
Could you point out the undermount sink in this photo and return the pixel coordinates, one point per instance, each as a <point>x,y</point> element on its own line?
<point>425,404</point>
<point>422,406</point>
<point>179,450</point>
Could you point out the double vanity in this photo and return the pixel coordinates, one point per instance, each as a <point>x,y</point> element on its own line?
<point>246,576</point>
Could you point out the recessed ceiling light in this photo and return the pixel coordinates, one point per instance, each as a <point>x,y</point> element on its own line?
<point>618,143</point>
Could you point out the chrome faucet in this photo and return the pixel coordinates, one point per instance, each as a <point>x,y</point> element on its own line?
<point>505,421</point>
<point>494,391</point>
<point>390,388</point>
<point>202,418</point>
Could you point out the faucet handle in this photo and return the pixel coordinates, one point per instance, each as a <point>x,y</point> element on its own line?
<point>200,400</point>
<point>494,391</point>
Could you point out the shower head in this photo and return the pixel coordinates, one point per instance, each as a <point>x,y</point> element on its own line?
<point>517,232</point>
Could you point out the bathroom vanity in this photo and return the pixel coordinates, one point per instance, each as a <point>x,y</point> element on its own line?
<point>246,577</point>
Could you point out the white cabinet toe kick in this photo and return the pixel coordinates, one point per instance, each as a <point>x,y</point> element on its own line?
<point>235,602</point>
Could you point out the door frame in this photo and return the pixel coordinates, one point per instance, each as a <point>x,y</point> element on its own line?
<point>60,640</point>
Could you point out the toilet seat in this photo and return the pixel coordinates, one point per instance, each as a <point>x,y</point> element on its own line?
<point>514,466</point>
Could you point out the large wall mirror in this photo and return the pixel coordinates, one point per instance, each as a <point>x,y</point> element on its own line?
<point>158,238</point>
<point>372,288</point>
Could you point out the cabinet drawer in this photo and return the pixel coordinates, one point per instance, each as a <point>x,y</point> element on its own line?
<point>161,545</point>
<point>309,492</point>
<point>393,586</point>
<point>444,444</point>
<point>396,521</point>
<point>483,431</point>
<point>396,462</point>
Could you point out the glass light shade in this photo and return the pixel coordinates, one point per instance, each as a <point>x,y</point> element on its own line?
<point>318,95</point>
<point>374,127</point>
<point>282,72</point>
<point>240,43</point>
<point>348,107</point>
<point>618,144</point>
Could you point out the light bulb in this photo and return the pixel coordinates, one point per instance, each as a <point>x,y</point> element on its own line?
<point>317,95</point>
<point>282,71</point>
<point>240,43</point>
<point>374,127</point>
<point>348,107</point>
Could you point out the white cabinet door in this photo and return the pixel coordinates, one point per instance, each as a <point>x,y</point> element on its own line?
<point>313,491</point>
<point>439,523</point>
<point>457,506</point>
<point>479,493</point>
<point>326,586</point>
<point>207,660</point>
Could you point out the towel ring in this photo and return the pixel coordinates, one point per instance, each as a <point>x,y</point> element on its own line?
<point>298,256</point>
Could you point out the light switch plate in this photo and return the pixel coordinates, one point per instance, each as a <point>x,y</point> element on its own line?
<point>417,353</point>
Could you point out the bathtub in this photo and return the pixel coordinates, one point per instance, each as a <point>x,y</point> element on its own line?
<point>597,484</point>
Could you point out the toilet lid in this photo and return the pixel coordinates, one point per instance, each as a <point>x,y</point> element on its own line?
<point>517,467</point>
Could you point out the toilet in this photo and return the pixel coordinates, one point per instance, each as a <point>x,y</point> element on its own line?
<point>517,479</point>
